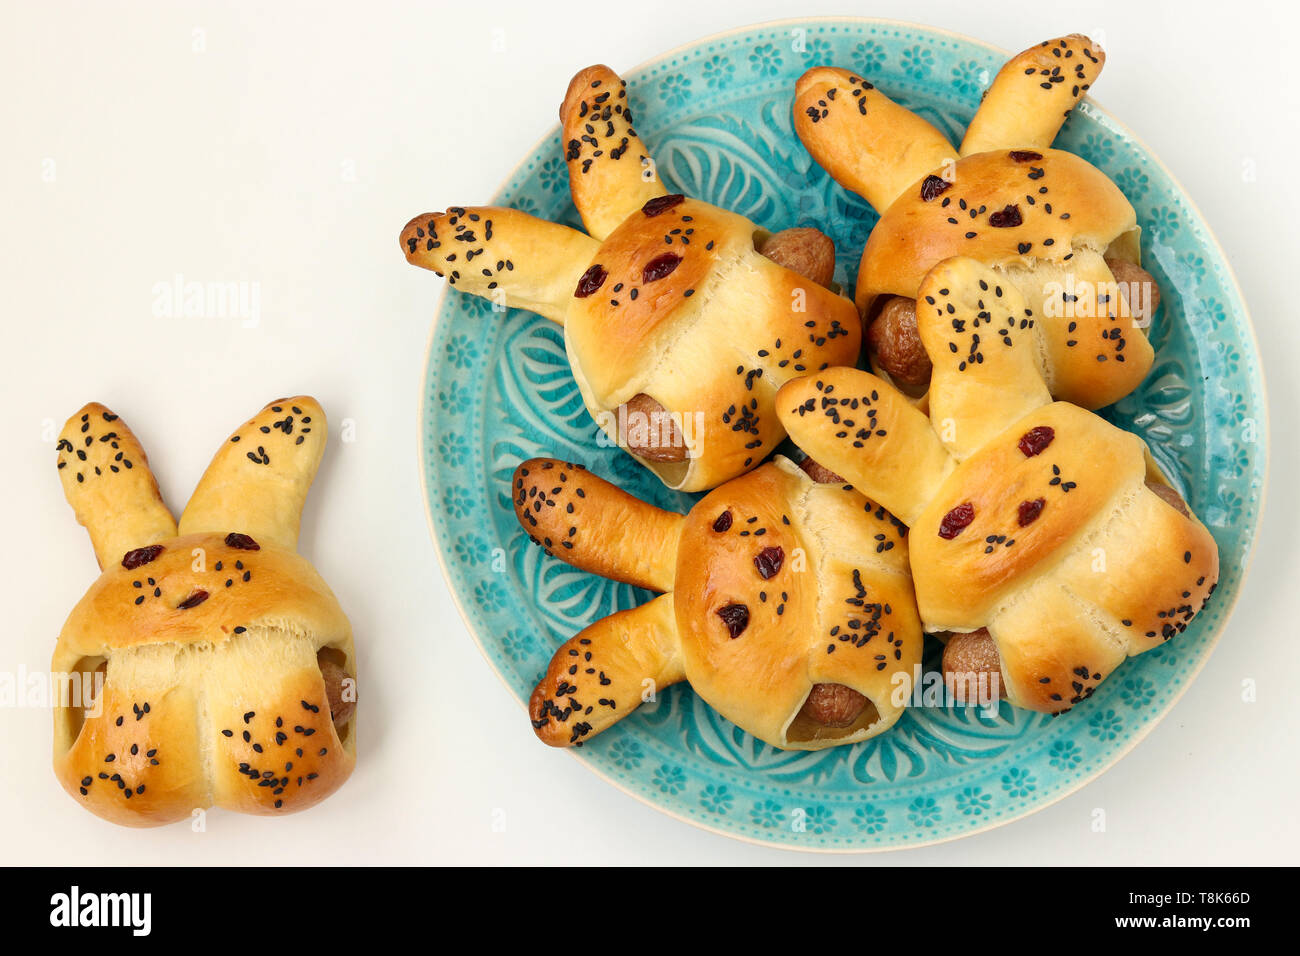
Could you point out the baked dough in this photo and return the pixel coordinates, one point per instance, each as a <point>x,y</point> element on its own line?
<point>1047,219</point>
<point>219,647</point>
<point>667,297</point>
<point>1035,519</point>
<point>784,599</point>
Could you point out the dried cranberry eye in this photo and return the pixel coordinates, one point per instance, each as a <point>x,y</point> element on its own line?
<point>241,542</point>
<point>933,186</point>
<point>660,266</point>
<point>1025,156</point>
<point>769,561</point>
<point>722,522</point>
<point>194,600</point>
<point>736,617</point>
<point>591,280</point>
<point>654,207</point>
<point>1035,440</point>
<point>1006,217</point>
<point>1030,510</point>
<point>957,519</point>
<point>133,559</point>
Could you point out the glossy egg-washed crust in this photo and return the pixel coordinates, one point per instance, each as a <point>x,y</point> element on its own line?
<point>820,572</point>
<point>206,640</point>
<point>610,169</point>
<point>667,296</point>
<point>715,337</point>
<point>1032,95</point>
<point>1031,518</point>
<point>1047,218</point>
<point>1068,218</point>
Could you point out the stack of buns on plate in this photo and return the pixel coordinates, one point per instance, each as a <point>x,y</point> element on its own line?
<point>961,487</point>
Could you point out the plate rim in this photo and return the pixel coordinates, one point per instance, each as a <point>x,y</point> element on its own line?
<point>1141,734</point>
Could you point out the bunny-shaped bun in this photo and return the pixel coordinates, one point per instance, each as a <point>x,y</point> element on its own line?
<point>1044,538</point>
<point>220,663</point>
<point>787,605</point>
<point>681,320</point>
<point>1054,225</point>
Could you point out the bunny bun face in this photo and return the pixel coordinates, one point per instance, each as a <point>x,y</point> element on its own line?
<point>783,584</point>
<point>1010,508</point>
<point>680,306</point>
<point>201,588</point>
<point>1052,538</point>
<point>1000,207</point>
<point>211,648</point>
<point>647,286</point>
<point>1049,222</point>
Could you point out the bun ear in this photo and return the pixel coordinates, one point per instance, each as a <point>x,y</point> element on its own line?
<point>258,480</point>
<point>106,479</point>
<point>589,523</point>
<point>502,255</point>
<point>867,142</point>
<point>1032,95</point>
<point>861,427</point>
<point>597,677</point>
<point>611,174</point>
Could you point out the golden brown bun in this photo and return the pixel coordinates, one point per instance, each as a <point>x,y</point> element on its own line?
<point>1033,93</point>
<point>836,112</point>
<point>1066,216</point>
<point>509,257</point>
<point>1034,519</point>
<point>714,337</point>
<point>675,310</point>
<point>781,584</point>
<point>845,617</point>
<point>213,692</point>
<point>1093,463</point>
<point>595,526</point>
<point>611,174</point>
<point>1046,218</point>
<point>917,233</point>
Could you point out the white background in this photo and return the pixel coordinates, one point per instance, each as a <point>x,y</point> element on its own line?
<point>288,151</point>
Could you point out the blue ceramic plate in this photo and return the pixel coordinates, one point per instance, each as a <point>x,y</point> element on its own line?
<point>716,115</point>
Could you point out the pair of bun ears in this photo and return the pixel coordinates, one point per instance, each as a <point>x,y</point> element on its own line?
<point>256,483</point>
